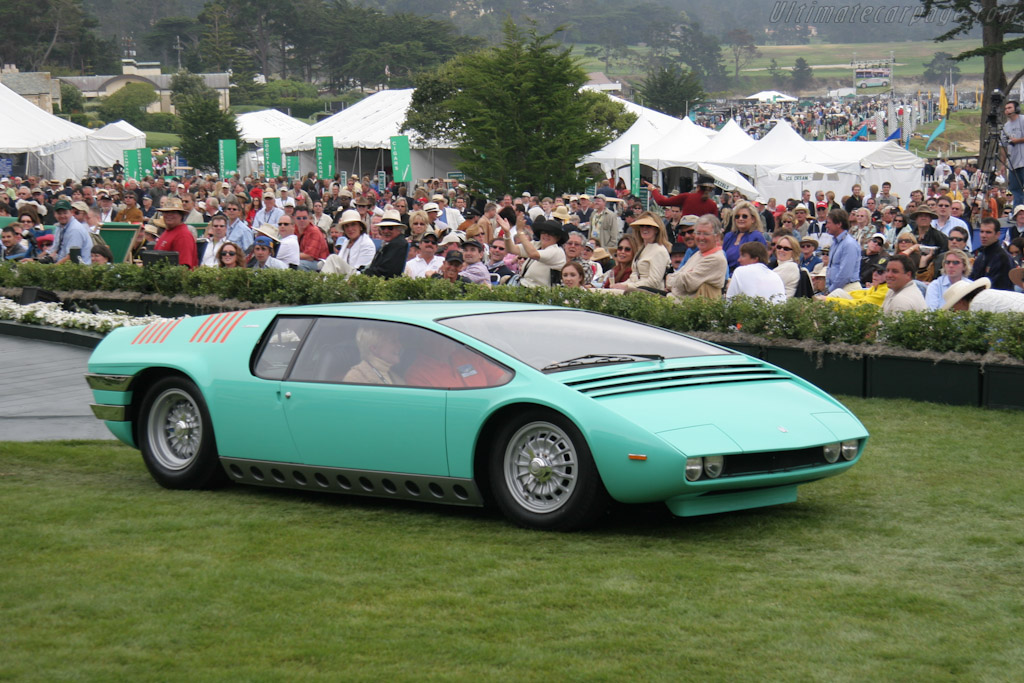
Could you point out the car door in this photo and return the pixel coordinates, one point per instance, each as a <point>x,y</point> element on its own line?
<point>347,404</point>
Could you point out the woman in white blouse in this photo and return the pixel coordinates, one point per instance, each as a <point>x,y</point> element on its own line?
<point>787,253</point>
<point>650,265</point>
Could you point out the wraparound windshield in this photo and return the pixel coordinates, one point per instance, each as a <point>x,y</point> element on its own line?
<point>546,340</point>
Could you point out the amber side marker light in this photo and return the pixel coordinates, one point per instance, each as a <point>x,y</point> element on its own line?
<point>637,456</point>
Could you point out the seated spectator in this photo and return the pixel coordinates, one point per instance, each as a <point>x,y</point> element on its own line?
<point>451,269</point>
<point>753,278</point>
<point>542,256</point>
<point>623,268</point>
<point>873,294</point>
<point>426,262</point>
<point>954,264</point>
<point>874,255</point>
<point>808,258</point>
<point>572,275</point>
<point>786,249</point>
<point>704,274</point>
<point>262,259</point>
<point>230,255</point>
<point>474,269</point>
<point>496,260</point>
<point>651,263</point>
<point>11,247</point>
<point>818,281</point>
<point>979,296</point>
<point>747,227</point>
<point>101,255</point>
<point>903,294</point>
<point>177,237</point>
<point>906,244</point>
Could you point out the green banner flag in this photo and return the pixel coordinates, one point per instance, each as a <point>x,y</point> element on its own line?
<point>634,169</point>
<point>401,159</point>
<point>343,178</point>
<point>293,165</point>
<point>325,156</point>
<point>271,157</point>
<point>131,164</point>
<point>382,180</point>
<point>145,161</point>
<point>228,157</point>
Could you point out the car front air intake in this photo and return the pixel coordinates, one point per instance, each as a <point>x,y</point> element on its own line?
<point>626,382</point>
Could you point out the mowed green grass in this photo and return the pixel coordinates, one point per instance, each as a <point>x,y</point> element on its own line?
<point>160,140</point>
<point>908,567</point>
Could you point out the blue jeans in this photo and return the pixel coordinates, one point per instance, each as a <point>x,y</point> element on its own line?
<point>1016,175</point>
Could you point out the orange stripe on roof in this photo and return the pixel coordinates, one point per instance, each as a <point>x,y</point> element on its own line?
<point>212,331</point>
<point>168,331</point>
<point>238,318</point>
<point>203,327</point>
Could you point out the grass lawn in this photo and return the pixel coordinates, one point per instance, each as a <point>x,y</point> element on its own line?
<point>156,140</point>
<point>908,567</point>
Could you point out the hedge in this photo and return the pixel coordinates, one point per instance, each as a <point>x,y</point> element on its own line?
<point>797,320</point>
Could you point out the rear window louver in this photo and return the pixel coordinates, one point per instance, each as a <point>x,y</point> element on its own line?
<point>673,378</point>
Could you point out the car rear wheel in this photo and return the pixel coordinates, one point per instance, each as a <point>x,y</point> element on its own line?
<point>176,436</point>
<point>543,476</point>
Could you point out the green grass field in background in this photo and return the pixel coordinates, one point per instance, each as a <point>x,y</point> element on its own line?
<point>156,140</point>
<point>908,567</point>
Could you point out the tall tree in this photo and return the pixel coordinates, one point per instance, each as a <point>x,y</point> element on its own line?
<point>742,48</point>
<point>802,74</point>
<point>128,103</point>
<point>672,90</point>
<point>218,42</point>
<point>185,84</point>
<point>941,68</point>
<point>201,123</point>
<point>516,114</point>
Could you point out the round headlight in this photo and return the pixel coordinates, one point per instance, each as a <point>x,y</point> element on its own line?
<point>831,452</point>
<point>713,465</point>
<point>694,468</point>
<point>850,449</point>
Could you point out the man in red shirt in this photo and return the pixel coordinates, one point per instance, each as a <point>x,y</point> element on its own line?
<point>696,203</point>
<point>312,245</point>
<point>177,237</point>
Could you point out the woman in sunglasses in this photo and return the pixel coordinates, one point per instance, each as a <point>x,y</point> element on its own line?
<point>746,220</point>
<point>231,256</point>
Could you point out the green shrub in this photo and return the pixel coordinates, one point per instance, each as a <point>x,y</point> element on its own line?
<point>797,319</point>
<point>161,123</point>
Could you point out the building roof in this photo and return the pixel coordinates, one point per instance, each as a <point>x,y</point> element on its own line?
<point>30,83</point>
<point>217,81</point>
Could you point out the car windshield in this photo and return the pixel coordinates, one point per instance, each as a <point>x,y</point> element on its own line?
<point>553,340</point>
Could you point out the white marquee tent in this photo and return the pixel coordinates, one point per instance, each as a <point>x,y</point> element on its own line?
<point>38,143</point>
<point>771,96</point>
<point>107,144</point>
<point>362,138</point>
<point>269,123</point>
<point>730,140</point>
<point>877,163</point>
<point>649,128</point>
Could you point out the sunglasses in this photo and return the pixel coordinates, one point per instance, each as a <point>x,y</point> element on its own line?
<point>957,239</point>
<point>954,263</point>
<point>497,247</point>
<point>229,253</point>
<point>686,232</point>
<point>743,215</point>
<point>781,248</point>
<point>903,242</point>
<point>624,248</point>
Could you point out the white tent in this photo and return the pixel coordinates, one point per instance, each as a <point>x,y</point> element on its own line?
<point>780,146</point>
<point>730,140</point>
<point>269,123</point>
<point>771,96</point>
<point>107,144</point>
<point>729,179</point>
<point>362,138</point>
<point>649,127</point>
<point>684,139</point>
<point>878,162</point>
<point>38,143</point>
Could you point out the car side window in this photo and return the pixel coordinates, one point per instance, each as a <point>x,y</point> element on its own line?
<point>356,351</point>
<point>279,347</point>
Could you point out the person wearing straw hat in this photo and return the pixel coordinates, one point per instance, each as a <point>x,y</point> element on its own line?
<point>979,296</point>
<point>177,237</point>
<point>651,264</point>
<point>389,262</point>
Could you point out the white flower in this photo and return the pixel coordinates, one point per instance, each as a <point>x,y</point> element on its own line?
<point>53,315</point>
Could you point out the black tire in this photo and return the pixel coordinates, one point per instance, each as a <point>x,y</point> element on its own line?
<point>542,475</point>
<point>176,436</point>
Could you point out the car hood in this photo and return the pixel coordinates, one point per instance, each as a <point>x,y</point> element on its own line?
<point>723,404</point>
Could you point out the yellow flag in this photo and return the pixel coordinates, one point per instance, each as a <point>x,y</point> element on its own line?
<point>943,102</point>
<point>956,97</point>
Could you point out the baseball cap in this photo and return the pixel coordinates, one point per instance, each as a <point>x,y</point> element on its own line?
<point>454,257</point>
<point>263,241</point>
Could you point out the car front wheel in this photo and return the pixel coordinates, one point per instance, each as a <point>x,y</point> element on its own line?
<point>543,476</point>
<point>176,437</point>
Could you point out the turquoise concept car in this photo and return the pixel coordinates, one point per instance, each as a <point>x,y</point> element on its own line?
<point>550,413</point>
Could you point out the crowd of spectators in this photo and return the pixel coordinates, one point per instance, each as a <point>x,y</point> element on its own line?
<point>864,248</point>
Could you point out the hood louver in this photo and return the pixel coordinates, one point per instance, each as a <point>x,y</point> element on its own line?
<point>674,378</point>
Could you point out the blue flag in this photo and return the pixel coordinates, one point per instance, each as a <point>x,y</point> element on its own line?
<point>896,135</point>
<point>863,131</point>
<point>939,130</point>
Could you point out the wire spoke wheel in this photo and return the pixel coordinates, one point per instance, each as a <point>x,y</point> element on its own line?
<point>175,429</point>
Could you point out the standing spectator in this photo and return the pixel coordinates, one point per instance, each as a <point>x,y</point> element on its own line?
<point>698,202</point>
<point>603,223</point>
<point>1013,152</point>
<point>844,254</point>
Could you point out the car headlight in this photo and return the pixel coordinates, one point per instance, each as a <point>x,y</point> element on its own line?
<point>713,466</point>
<point>832,452</point>
<point>850,448</point>
<point>694,468</point>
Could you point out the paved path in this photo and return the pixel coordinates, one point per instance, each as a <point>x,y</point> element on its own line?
<point>43,394</point>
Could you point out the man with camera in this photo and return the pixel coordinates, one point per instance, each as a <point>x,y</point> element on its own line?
<point>1013,150</point>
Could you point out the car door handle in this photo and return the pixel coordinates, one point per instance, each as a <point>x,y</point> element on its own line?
<point>287,394</point>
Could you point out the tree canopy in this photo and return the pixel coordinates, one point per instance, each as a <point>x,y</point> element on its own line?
<point>128,103</point>
<point>671,90</point>
<point>201,123</point>
<point>515,112</point>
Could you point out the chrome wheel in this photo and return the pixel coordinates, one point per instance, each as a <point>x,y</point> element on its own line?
<point>541,467</point>
<point>175,429</point>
